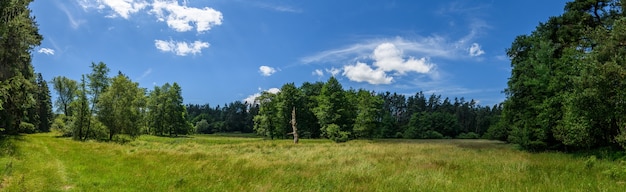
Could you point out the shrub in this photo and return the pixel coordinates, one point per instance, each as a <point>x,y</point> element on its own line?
<point>27,127</point>
<point>335,134</point>
<point>470,135</point>
<point>430,134</point>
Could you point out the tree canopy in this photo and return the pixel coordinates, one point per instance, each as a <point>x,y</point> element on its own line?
<point>567,85</point>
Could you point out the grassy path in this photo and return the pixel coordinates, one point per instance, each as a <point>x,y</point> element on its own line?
<point>42,162</point>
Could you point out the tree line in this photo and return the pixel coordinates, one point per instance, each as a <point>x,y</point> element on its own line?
<point>567,89</point>
<point>25,105</point>
<point>102,107</point>
<point>326,110</point>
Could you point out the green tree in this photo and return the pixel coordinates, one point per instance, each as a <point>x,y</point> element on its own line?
<point>566,83</point>
<point>82,114</point>
<point>288,98</point>
<point>176,112</point>
<point>166,112</point>
<point>307,121</point>
<point>368,112</point>
<point>265,121</point>
<point>66,89</point>
<point>19,34</point>
<point>155,116</point>
<point>330,109</point>
<point>120,107</point>
<point>98,83</point>
<point>44,105</point>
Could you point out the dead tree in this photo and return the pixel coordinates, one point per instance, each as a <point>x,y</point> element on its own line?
<point>293,125</point>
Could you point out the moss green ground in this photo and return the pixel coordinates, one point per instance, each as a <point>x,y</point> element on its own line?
<point>44,162</point>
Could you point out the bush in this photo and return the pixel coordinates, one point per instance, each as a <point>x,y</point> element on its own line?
<point>470,135</point>
<point>27,127</point>
<point>97,131</point>
<point>432,135</point>
<point>335,134</point>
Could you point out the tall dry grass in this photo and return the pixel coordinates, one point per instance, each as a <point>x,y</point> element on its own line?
<point>42,162</point>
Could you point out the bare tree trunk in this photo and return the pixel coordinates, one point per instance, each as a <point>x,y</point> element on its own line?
<point>293,125</point>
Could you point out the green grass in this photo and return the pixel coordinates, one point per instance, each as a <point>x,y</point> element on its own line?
<point>43,162</point>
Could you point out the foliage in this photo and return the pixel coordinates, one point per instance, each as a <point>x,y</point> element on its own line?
<point>120,107</point>
<point>27,128</point>
<point>19,34</point>
<point>368,112</point>
<point>82,114</point>
<point>203,126</point>
<point>470,135</point>
<point>66,93</point>
<point>566,89</point>
<point>166,113</point>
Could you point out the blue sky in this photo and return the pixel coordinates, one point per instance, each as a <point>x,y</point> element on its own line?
<point>221,51</point>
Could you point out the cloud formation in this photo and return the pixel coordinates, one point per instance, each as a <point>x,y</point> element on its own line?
<point>475,50</point>
<point>181,48</point>
<point>333,71</point>
<point>46,51</point>
<point>121,8</point>
<point>318,72</point>
<point>389,58</point>
<point>386,58</point>
<point>361,72</point>
<point>181,17</point>
<point>266,70</point>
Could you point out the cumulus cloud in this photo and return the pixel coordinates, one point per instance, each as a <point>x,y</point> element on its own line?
<point>181,17</point>
<point>46,51</point>
<point>386,58</point>
<point>361,72</point>
<point>178,17</point>
<point>475,50</point>
<point>121,8</point>
<point>266,70</point>
<point>318,72</point>
<point>181,48</point>
<point>252,98</point>
<point>389,58</point>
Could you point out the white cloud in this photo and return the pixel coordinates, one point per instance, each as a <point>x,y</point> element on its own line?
<point>279,8</point>
<point>121,8</point>
<point>361,72</point>
<point>46,51</point>
<point>433,46</point>
<point>475,50</point>
<point>181,48</point>
<point>318,72</point>
<point>178,17</point>
<point>181,17</point>
<point>389,58</point>
<point>333,71</point>
<point>252,98</point>
<point>266,70</point>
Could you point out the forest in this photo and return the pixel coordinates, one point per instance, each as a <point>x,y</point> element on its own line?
<point>565,92</point>
<point>326,110</point>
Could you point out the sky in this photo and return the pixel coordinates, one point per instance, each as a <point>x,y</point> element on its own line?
<point>220,51</point>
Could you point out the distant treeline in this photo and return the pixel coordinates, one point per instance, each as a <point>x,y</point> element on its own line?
<point>327,110</point>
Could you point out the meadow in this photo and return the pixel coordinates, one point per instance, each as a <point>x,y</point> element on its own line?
<point>46,162</point>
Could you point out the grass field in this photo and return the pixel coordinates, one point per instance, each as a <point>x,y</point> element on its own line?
<point>44,162</point>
